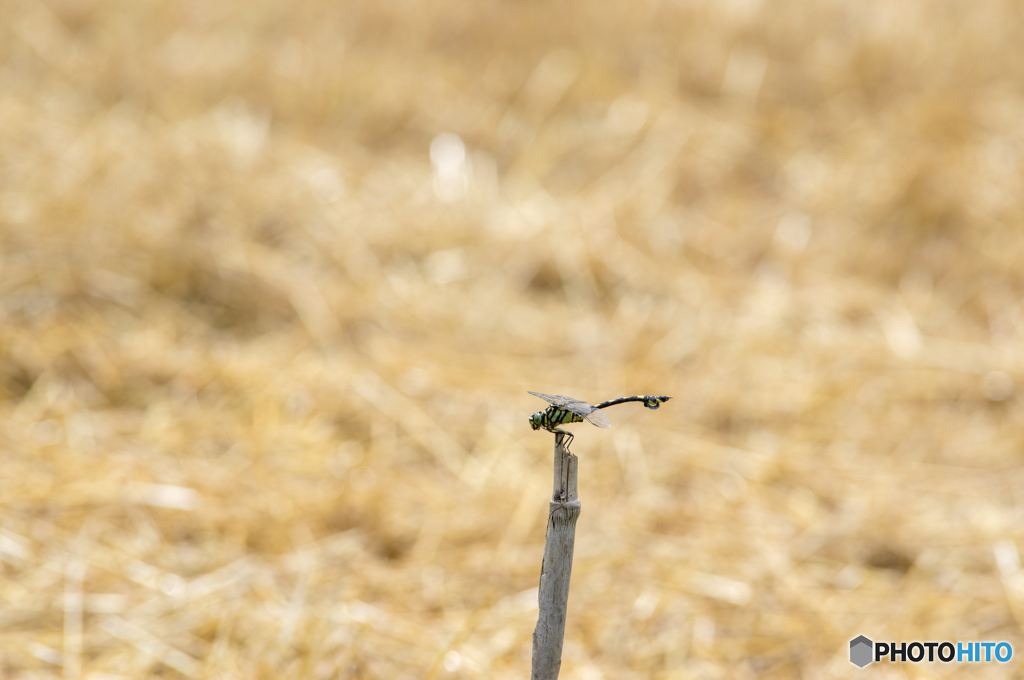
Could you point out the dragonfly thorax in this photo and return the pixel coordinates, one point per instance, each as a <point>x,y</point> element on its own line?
<point>553,416</point>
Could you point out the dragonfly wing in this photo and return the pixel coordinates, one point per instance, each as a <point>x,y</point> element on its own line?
<point>598,418</point>
<point>580,408</point>
<point>574,405</point>
<point>550,398</point>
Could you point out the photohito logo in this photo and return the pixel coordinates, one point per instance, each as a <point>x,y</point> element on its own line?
<point>863,651</point>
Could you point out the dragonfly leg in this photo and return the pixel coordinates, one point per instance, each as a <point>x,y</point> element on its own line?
<point>565,437</point>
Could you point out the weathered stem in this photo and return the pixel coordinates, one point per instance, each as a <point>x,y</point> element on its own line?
<point>553,596</point>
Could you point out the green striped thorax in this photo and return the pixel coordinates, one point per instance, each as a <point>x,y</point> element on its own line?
<point>553,416</point>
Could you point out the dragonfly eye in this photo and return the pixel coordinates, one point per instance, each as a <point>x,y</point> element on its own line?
<point>535,420</point>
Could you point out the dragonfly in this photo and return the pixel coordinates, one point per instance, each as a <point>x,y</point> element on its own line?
<point>564,410</point>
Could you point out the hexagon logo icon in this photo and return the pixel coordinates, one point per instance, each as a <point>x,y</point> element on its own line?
<point>861,651</point>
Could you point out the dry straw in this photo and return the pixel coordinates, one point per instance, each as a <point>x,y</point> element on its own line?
<point>275,277</point>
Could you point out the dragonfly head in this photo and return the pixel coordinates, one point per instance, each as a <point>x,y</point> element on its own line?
<point>535,420</point>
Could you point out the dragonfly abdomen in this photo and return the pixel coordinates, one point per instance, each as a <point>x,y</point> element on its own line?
<point>650,401</point>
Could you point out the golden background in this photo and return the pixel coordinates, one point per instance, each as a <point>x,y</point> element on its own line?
<point>275,278</point>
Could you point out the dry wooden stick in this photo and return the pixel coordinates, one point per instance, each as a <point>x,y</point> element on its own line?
<point>560,538</point>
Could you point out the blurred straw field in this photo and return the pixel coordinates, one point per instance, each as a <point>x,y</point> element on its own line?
<point>275,278</point>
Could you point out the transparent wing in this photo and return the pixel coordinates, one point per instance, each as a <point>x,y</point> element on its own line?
<point>580,408</point>
<point>599,418</point>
